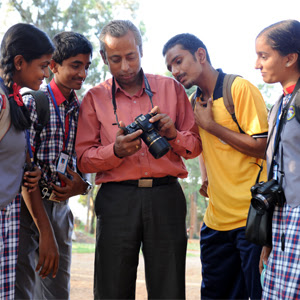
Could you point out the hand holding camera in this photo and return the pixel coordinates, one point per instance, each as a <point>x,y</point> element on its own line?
<point>147,127</point>
<point>163,124</point>
<point>127,144</point>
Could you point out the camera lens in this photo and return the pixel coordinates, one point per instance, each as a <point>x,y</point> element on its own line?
<point>260,202</point>
<point>158,146</point>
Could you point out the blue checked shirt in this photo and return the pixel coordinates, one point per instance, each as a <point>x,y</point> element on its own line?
<point>52,135</point>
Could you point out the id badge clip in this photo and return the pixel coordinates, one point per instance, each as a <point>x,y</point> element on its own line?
<point>62,163</point>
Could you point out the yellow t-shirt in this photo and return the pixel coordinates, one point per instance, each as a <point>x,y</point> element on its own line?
<point>230,172</point>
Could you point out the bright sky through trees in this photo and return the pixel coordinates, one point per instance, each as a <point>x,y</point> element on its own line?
<point>227,27</point>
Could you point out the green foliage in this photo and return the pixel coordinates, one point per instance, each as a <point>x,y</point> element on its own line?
<point>266,90</point>
<point>83,248</point>
<point>191,186</point>
<point>84,16</point>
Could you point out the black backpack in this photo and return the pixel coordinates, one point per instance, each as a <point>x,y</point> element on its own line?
<point>43,113</point>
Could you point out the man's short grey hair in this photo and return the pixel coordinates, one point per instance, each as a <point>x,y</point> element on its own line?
<point>119,28</point>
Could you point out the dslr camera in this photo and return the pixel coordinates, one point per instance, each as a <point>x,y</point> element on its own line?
<point>158,145</point>
<point>266,195</point>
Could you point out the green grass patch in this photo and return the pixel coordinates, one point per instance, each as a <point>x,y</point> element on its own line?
<point>83,248</point>
<point>189,254</point>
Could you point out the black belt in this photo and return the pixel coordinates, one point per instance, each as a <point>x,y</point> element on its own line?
<point>149,182</point>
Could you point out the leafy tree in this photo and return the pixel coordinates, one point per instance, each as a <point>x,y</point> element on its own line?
<point>84,16</point>
<point>196,203</point>
<point>266,90</point>
<point>89,202</point>
<point>88,18</point>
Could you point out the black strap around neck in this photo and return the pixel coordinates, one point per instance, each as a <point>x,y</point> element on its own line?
<point>282,122</point>
<point>278,133</point>
<point>113,93</point>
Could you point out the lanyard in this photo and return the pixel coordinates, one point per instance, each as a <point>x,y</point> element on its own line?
<point>66,131</point>
<point>29,147</point>
<point>277,123</point>
<point>280,122</point>
<point>113,92</point>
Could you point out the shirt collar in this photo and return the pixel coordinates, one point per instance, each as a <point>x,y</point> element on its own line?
<point>289,90</point>
<point>59,97</point>
<point>140,92</point>
<point>218,90</point>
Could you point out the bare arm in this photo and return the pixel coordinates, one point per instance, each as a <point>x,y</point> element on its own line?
<point>48,249</point>
<point>204,179</point>
<point>265,253</point>
<point>241,142</point>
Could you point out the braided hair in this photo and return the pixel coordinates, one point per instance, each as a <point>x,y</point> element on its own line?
<point>30,42</point>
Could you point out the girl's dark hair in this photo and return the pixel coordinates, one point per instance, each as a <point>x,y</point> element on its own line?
<point>69,44</point>
<point>284,37</point>
<point>30,42</point>
<point>188,42</point>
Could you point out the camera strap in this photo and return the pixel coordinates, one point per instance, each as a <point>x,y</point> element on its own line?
<point>29,147</point>
<point>282,117</point>
<point>279,125</point>
<point>113,94</point>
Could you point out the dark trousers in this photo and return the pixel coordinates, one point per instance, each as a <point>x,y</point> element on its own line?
<point>130,218</point>
<point>229,265</point>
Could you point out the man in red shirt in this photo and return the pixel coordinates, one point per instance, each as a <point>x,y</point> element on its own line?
<point>140,203</point>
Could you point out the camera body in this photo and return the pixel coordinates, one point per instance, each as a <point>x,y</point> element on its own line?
<point>266,195</point>
<point>158,145</point>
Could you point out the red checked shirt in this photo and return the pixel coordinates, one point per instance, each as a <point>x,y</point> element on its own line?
<point>53,136</point>
<point>96,134</point>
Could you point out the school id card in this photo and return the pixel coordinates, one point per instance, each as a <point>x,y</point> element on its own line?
<point>62,163</point>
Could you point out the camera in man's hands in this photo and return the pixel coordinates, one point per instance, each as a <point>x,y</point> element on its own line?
<point>158,145</point>
<point>266,195</point>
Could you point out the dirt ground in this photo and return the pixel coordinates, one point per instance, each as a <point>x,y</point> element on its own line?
<point>83,267</point>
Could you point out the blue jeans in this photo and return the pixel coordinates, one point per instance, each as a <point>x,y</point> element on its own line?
<point>229,265</point>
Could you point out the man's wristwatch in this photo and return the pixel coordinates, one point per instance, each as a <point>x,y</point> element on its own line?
<point>89,187</point>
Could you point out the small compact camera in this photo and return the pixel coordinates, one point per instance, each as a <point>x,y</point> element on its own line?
<point>158,145</point>
<point>266,195</point>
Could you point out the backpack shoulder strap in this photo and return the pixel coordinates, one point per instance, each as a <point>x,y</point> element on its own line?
<point>43,113</point>
<point>4,115</point>
<point>194,97</point>
<point>227,97</point>
<point>42,106</point>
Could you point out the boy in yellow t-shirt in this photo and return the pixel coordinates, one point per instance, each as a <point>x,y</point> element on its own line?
<point>229,261</point>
